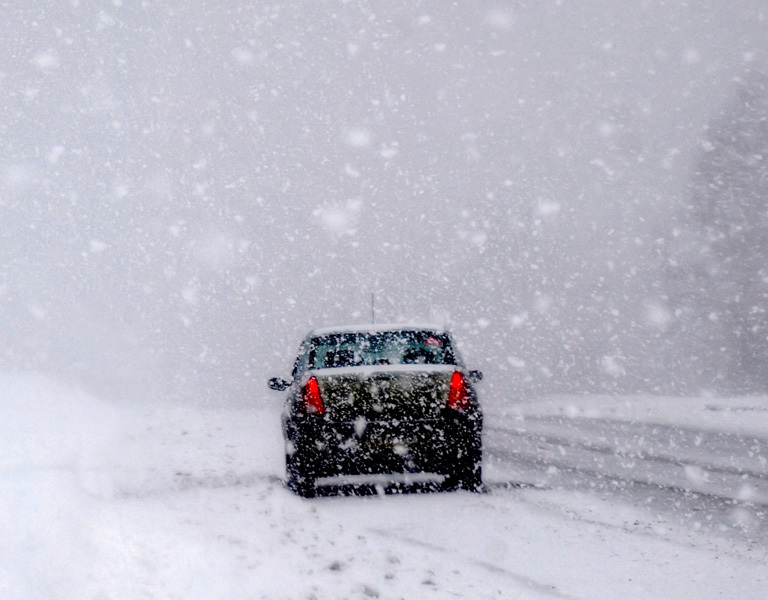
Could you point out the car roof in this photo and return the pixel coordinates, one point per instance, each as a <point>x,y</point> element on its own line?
<point>376,328</point>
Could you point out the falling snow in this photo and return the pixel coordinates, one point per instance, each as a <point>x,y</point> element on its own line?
<point>575,189</point>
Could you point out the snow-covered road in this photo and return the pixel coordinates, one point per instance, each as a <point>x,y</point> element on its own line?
<point>703,463</point>
<point>590,498</point>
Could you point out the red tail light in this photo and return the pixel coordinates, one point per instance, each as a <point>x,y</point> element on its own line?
<point>458,395</point>
<point>310,395</point>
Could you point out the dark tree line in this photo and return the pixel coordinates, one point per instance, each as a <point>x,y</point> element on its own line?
<point>718,267</point>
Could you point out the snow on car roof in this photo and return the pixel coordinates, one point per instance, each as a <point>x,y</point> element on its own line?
<point>376,328</point>
<point>368,370</point>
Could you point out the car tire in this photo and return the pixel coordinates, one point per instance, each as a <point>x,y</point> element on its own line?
<point>471,477</point>
<point>467,474</point>
<point>297,478</point>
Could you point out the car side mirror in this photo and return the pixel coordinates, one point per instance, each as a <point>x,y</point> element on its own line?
<point>278,384</point>
<point>475,376</point>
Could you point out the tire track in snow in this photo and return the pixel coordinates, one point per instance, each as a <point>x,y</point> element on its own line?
<point>556,441</point>
<point>528,582</point>
<point>582,422</point>
<point>183,481</point>
<point>570,513</point>
<point>542,463</point>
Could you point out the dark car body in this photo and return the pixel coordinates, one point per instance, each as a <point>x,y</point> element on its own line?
<point>381,400</point>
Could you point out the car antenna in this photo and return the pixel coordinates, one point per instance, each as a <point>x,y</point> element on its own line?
<point>373,308</point>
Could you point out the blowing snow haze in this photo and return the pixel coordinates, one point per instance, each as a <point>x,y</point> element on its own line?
<point>577,188</point>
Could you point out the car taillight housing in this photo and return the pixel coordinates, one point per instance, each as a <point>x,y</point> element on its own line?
<point>458,394</point>
<point>312,403</point>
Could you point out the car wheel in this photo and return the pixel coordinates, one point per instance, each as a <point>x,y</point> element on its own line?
<point>467,473</point>
<point>471,477</point>
<point>297,478</point>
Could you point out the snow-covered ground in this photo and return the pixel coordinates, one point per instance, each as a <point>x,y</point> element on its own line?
<point>590,498</point>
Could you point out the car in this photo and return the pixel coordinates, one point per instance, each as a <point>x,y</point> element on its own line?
<point>392,404</point>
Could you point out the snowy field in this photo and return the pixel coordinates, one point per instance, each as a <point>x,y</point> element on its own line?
<point>589,498</point>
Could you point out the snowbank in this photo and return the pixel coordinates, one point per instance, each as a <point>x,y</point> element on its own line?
<point>55,443</point>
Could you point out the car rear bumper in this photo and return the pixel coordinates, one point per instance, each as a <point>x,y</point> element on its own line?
<point>382,479</point>
<point>327,449</point>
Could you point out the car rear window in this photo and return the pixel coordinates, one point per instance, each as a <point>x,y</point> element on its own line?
<point>380,348</point>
